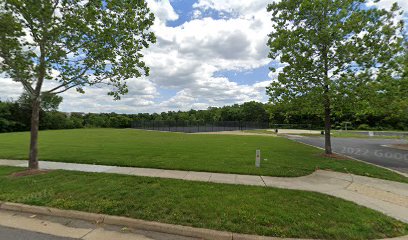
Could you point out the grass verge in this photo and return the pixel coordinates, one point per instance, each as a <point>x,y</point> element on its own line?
<point>352,134</point>
<point>214,153</point>
<point>242,209</point>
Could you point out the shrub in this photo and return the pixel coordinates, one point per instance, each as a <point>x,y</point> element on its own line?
<point>363,127</point>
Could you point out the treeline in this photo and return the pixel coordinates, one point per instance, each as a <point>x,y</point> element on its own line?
<point>15,116</point>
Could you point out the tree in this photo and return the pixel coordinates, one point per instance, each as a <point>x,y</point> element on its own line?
<point>72,44</point>
<point>328,49</point>
<point>49,101</point>
<point>254,111</point>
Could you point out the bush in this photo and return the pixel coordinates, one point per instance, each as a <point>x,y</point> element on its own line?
<point>363,127</point>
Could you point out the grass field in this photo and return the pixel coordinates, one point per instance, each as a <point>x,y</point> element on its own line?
<point>352,134</point>
<point>244,209</point>
<point>215,153</point>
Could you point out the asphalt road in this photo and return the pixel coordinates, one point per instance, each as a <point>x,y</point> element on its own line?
<point>368,150</point>
<point>18,234</point>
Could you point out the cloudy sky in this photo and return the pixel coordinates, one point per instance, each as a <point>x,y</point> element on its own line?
<point>208,53</point>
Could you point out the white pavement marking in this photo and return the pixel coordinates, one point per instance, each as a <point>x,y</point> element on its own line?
<point>388,197</point>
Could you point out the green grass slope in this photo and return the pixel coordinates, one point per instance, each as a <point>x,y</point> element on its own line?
<point>215,153</point>
<point>244,209</point>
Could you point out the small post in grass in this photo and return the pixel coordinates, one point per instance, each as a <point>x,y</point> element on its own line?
<point>258,159</point>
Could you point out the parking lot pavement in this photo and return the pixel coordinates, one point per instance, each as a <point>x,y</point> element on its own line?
<point>369,150</point>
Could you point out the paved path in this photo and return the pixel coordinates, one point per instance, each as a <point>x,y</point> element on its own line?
<point>388,197</point>
<point>19,225</point>
<point>369,150</point>
<point>18,234</point>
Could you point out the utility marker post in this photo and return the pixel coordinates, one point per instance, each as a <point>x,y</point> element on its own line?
<point>258,159</point>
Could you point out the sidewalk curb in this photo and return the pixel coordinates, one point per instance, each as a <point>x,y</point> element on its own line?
<point>186,231</point>
<point>130,222</point>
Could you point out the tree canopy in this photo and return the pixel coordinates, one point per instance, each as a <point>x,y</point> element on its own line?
<point>332,52</point>
<point>72,44</point>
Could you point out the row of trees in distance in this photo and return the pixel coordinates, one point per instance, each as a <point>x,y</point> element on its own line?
<point>15,116</point>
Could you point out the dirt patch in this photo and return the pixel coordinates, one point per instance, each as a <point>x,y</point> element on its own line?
<point>299,131</point>
<point>333,156</point>
<point>29,172</point>
<point>241,133</point>
<point>399,146</point>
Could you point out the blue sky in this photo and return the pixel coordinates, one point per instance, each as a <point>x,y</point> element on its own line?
<point>185,11</point>
<point>208,53</point>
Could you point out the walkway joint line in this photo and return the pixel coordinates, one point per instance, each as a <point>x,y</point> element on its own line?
<point>263,181</point>
<point>86,234</point>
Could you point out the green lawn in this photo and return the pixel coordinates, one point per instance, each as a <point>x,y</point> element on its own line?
<point>352,134</point>
<point>216,153</point>
<point>244,209</point>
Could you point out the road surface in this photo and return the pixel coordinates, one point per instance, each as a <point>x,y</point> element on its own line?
<point>369,150</point>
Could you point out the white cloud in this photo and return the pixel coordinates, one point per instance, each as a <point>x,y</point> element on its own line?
<point>9,89</point>
<point>142,95</point>
<point>241,8</point>
<point>163,10</point>
<point>187,58</point>
<point>388,3</point>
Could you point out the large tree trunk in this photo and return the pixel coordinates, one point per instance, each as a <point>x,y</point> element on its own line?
<point>35,121</point>
<point>327,121</point>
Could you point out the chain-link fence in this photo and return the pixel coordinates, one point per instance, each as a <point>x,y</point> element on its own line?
<point>198,126</point>
<point>292,126</point>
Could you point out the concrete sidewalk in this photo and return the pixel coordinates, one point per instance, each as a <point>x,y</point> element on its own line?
<point>388,197</point>
<point>20,225</point>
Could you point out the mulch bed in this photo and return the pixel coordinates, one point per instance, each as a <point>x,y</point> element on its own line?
<point>29,172</point>
<point>334,156</point>
<point>400,146</point>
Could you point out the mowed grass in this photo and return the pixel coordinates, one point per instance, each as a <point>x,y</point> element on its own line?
<point>215,153</point>
<point>243,209</point>
<point>353,134</point>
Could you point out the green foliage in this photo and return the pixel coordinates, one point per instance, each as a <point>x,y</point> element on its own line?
<point>16,117</point>
<point>49,101</point>
<point>336,54</point>
<point>55,120</point>
<point>74,43</point>
<point>363,127</point>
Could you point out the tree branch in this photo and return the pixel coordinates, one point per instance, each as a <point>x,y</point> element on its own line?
<point>27,86</point>
<point>66,89</point>
<point>69,82</point>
